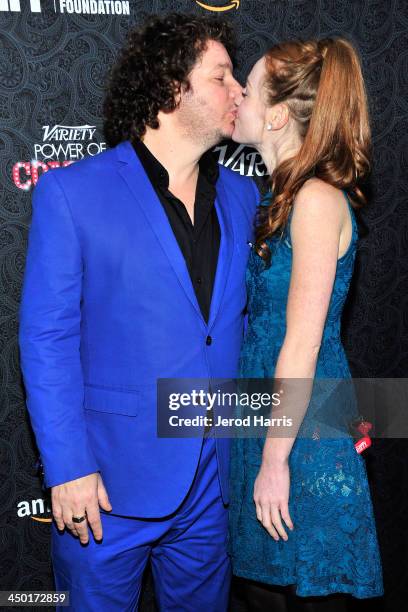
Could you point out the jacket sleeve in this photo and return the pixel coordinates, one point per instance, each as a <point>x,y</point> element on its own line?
<point>49,337</point>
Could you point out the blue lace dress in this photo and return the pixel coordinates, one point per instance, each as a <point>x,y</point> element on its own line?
<point>333,547</point>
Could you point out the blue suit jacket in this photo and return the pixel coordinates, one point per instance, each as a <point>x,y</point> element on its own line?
<point>107,308</point>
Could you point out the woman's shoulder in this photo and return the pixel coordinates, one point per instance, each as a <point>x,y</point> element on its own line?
<point>317,198</point>
<point>319,209</point>
<point>319,191</point>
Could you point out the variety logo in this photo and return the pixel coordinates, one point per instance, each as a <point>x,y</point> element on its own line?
<point>81,7</point>
<point>69,142</point>
<point>218,9</point>
<point>244,160</point>
<point>61,146</point>
<point>37,509</point>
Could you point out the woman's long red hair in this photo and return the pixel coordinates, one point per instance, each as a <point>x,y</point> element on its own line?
<point>323,86</point>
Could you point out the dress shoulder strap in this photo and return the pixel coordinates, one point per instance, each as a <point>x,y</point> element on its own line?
<point>352,213</point>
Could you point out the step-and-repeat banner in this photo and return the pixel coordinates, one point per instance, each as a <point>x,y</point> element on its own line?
<point>54,56</point>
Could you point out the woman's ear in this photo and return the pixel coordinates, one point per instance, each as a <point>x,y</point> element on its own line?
<point>277,116</point>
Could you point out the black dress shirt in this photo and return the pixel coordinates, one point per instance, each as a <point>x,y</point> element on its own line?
<point>199,242</point>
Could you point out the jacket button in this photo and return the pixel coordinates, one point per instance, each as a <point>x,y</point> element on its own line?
<point>208,340</point>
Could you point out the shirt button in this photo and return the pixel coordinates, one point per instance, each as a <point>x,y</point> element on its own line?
<point>208,340</point>
<point>199,280</point>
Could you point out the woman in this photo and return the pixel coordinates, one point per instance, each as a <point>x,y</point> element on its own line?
<point>301,514</point>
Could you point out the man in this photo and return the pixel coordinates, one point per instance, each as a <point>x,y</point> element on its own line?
<point>135,271</point>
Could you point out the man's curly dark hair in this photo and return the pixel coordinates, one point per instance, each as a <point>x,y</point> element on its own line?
<point>151,69</point>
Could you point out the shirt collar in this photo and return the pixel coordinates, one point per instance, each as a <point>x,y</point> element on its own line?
<point>158,174</point>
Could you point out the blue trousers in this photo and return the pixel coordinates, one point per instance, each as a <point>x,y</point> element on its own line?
<point>188,554</point>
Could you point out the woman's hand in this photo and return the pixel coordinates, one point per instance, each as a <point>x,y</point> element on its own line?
<point>271,497</point>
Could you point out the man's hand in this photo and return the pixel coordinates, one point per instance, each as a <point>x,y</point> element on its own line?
<point>76,497</point>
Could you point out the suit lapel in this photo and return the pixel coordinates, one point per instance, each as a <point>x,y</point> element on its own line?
<point>132,172</point>
<point>225,252</point>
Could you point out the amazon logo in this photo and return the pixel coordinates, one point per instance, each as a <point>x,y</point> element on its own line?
<point>37,509</point>
<point>219,9</point>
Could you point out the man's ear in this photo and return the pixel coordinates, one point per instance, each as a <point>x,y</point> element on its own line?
<point>180,90</point>
<point>277,116</point>
<point>177,93</point>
